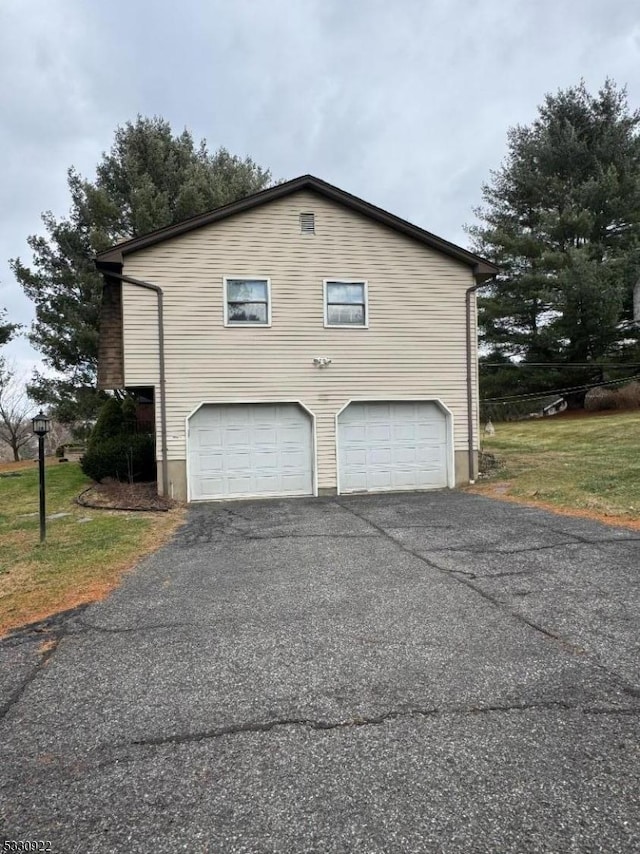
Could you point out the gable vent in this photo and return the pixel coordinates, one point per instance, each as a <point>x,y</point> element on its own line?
<point>307,223</point>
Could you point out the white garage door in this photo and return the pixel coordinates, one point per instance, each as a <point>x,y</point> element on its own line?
<point>392,445</point>
<point>247,450</point>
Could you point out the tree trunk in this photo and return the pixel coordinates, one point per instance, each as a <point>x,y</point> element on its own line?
<point>16,453</point>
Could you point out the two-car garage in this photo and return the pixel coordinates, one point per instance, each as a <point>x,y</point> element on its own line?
<point>250,450</point>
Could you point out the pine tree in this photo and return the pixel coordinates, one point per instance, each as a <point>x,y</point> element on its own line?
<point>150,178</point>
<point>561,217</point>
<point>7,330</point>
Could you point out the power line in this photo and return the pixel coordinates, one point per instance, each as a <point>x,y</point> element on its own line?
<point>532,396</point>
<point>610,365</point>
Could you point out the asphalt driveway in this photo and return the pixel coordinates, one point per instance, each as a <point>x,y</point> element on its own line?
<point>420,673</point>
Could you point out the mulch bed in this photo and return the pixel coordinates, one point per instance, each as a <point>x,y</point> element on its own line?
<point>124,496</point>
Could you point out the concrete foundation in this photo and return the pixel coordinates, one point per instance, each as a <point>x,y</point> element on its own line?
<point>177,479</point>
<point>462,466</point>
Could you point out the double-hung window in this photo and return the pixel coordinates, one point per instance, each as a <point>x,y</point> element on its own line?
<point>345,303</point>
<point>247,301</point>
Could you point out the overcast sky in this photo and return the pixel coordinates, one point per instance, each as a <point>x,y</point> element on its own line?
<point>405,103</point>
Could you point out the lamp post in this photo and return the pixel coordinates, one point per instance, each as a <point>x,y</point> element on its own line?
<point>41,425</point>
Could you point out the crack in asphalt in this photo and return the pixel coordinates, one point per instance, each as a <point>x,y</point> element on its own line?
<point>74,626</point>
<point>495,551</point>
<point>588,541</point>
<point>247,536</point>
<point>69,624</point>
<point>455,573</point>
<point>232,523</point>
<point>254,727</point>
<point>489,548</point>
<point>306,536</point>
<point>467,579</point>
<point>16,695</point>
<point>50,627</point>
<point>49,631</point>
<point>84,626</point>
<point>534,570</point>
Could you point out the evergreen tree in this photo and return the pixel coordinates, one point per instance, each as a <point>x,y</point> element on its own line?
<point>561,217</point>
<point>7,330</point>
<point>150,178</point>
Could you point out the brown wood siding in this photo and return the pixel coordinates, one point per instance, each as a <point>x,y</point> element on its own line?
<point>414,346</point>
<point>110,347</point>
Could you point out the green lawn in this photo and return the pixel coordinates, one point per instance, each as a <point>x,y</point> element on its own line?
<point>588,463</point>
<point>85,552</point>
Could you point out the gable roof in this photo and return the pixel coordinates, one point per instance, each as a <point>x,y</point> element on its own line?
<point>114,257</point>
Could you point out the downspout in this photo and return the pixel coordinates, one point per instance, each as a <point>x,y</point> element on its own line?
<point>161,367</point>
<point>470,420</point>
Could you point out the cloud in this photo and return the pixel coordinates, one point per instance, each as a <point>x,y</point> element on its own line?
<point>406,104</point>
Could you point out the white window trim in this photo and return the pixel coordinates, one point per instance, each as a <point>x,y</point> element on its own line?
<point>254,324</point>
<point>338,280</point>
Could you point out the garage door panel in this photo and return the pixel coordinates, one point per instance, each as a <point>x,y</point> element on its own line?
<point>354,432</point>
<point>237,484</point>
<point>404,455</point>
<point>237,459</point>
<point>378,412</point>
<point>357,481</point>
<point>380,479</point>
<point>379,457</point>
<point>385,446</point>
<point>431,431</point>
<point>268,415</point>
<point>210,463</point>
<point>208,485</point>
<point>356,457</point>
<point>292,435</point>
<point>209,438</point>
<point>263,435</point>
<point>249,450</point>
<point>404,479</point>
<point>378,432</point>
<point>236,436</point>
<point>264,483</point>
<point>407,432</point>
<point>294,484</point>
<point>293,460</point>
<point>262,460</point>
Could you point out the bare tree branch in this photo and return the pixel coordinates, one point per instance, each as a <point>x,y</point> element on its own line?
<point>15,409</point>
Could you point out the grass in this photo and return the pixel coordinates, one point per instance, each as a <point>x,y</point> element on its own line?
<point>586,464</point>
<point>85,552</point>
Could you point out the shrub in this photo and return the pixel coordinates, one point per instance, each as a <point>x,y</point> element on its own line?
<point>599,399</point>
<point>487,462</point>
<point>625,397</point>
<point>129,416</point>
<point>125,458</point>
<point>628,397</point>
<point>109,422</point>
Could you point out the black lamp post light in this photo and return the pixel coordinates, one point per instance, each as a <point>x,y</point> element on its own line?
<point>41,426</point>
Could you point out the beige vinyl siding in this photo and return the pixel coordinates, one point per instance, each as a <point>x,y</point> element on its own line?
<point>414,346</point>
